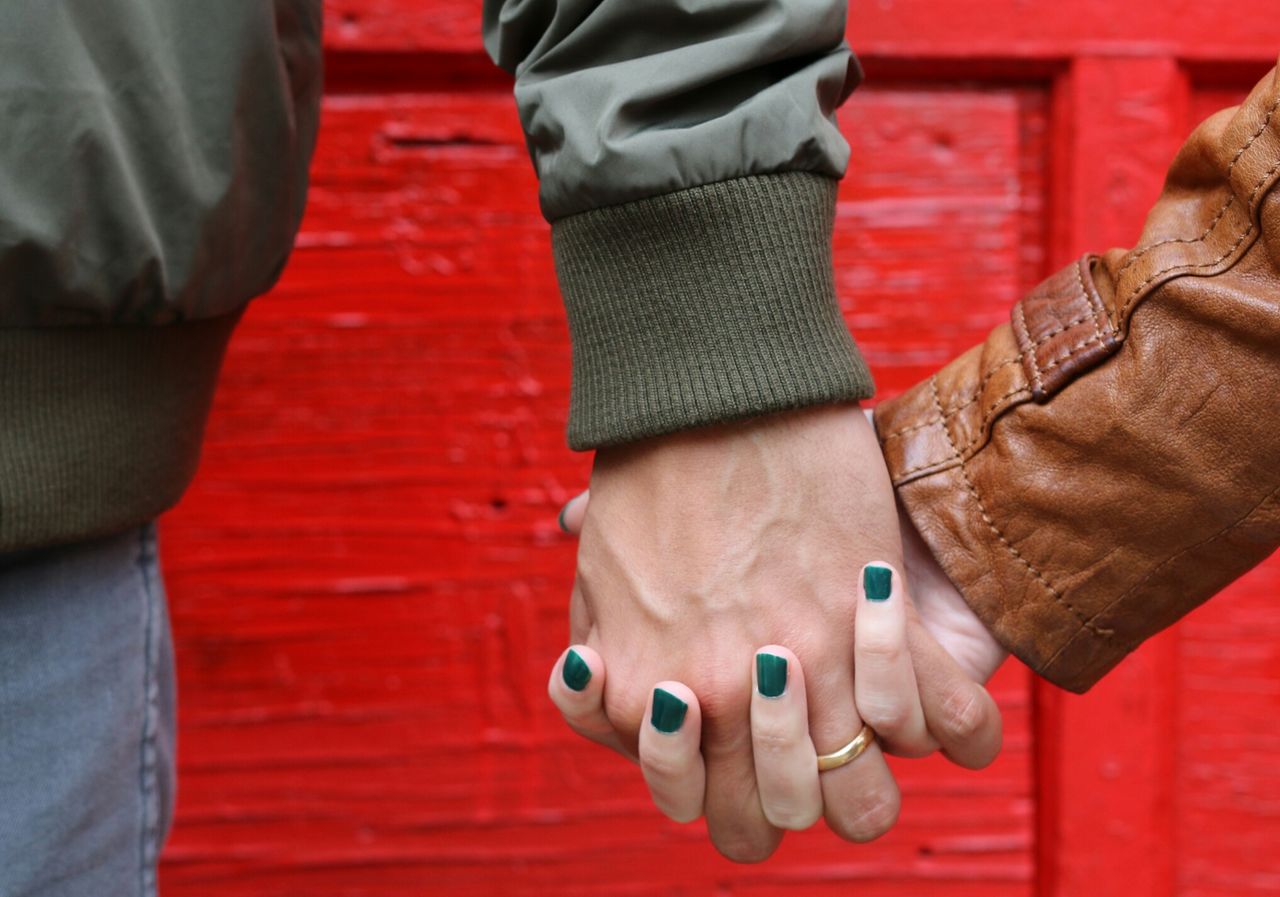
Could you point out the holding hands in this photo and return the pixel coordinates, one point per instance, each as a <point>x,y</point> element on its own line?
<point>700,548</point>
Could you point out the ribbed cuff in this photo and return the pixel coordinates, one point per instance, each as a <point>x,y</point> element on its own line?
<point>702,306</point>
<point>101,425</point>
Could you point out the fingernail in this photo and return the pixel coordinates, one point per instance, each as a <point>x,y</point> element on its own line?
<point>560,517</point>
<point>576,673</point>
<point>668,711</point>
<point>877,582</point>
<point>771,674</point>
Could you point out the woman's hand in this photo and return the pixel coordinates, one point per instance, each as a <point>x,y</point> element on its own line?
<point>788,781</point>
<point>943,612</point>
<point>908,687</point>
<point>700,546</point>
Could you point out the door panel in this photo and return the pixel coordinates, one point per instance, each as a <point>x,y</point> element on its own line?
<point>369,588</point>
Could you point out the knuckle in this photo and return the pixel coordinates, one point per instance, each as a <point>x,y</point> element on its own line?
<point>578,716</point>
<point>589,732</point>
<point>720,741</point>
<point>874,815</point>
<point>882,649</point>
<point>663,767</point>
<point>681,814</point>
<point>719,697</point>
<point>772,739</point>
<point>625,710</point>
<point>888,715</point>
<point>913,747</point>
<point>724,745</point>
<point>793,817</point>
<point>963,714</point>
<point>745,848</point>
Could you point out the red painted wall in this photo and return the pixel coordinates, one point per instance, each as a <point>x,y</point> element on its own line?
<point>367,582</point>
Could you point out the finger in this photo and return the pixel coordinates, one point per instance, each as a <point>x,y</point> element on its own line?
<point>576,688</point>
<point>735,818</point>
<point>580,618</point>
<point>885,683</point>
<point>786,763</point>
<point>959,712</point>
<point>670,755</point>
<point>860,799</point>
<point>573,513</point>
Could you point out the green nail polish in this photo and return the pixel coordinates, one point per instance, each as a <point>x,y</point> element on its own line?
<point>668,711</point>
<point>771,674</point>
<point>877,582</point>
<point>560,517</point>
<point>576,672</point>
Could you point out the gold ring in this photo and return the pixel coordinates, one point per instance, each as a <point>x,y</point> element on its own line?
<point>850,752</point>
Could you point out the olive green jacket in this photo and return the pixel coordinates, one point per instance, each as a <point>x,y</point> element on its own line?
<point>153,170</point>
<point>153,173</point>
<point>687,156</point>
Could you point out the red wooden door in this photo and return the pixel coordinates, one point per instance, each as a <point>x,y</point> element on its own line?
<point>368,586</point>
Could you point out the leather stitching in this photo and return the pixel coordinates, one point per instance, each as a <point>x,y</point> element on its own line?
<point>1226,530</point>
<point>1230,200</point>
<point>995,405</point>
<point>986,416</point>
<point>1031,348</point>
<point>1084,294</point>
<point>1133,259</point>
<point>938,464</point>
<point>972,398</point>
<point>956,409</point>
<point>1256,134</point>
<point>1017,555</point>
<point>1070,353</point>
<point>1244,236</point>
<point>1087,623</point>
<point>930,422</point>
<point>1063,329</point>
<point>1134,296</point>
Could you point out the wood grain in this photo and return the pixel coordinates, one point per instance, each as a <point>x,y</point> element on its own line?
<point>368,585</point>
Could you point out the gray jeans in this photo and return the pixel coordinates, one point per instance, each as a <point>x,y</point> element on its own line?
<point>86,719</point>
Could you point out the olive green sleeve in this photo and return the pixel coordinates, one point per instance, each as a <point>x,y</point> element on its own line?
<point>688,156</point>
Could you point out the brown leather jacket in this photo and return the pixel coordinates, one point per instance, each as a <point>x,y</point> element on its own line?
<point>1110,457</point>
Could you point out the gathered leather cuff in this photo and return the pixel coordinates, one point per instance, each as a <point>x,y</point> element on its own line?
<point>1110,457</point>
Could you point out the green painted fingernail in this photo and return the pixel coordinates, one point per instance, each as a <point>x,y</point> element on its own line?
<point>877,582</point>
<point>771,674</point>
<point>560,517</point>
<point>576,672</point>
<point>668,711</point>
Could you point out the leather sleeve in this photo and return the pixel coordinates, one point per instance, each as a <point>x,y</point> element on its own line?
<point>1110,458</point>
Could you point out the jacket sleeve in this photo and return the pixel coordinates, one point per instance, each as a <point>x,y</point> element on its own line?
<point>154,157</point>
<point>688,157</point>
<point>1110,457</point>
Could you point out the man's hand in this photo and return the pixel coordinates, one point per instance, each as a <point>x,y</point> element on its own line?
<point>943,613</point>
<point>699,547</point>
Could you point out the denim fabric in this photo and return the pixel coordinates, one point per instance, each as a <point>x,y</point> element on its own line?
<point>86,719</point>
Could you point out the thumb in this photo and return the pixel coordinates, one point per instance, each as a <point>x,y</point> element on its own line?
<point>573,513</point>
